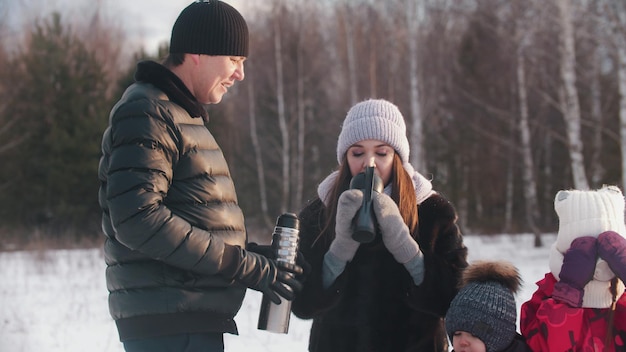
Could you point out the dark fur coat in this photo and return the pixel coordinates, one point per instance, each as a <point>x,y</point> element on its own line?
<point>374,304</point>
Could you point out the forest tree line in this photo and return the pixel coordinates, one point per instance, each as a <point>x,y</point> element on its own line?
<point>506,102</point>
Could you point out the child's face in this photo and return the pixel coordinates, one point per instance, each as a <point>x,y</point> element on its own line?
<point>465,342</point>
<point>371,153</point>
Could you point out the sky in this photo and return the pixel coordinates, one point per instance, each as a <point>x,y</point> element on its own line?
<point>56,300</point>
<point>147,22</point>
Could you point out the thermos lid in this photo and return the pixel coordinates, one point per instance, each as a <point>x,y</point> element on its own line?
<point>288,220</point>
<point>359,182</point>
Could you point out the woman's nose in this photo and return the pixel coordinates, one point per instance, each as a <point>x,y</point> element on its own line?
<point>371,161</point>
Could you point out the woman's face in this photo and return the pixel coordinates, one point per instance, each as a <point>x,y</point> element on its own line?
<point>465,342</point>
<point>371,152</point>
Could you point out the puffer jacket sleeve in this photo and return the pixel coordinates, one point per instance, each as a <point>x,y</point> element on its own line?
<point>142,147</point>
<point>445,257</point>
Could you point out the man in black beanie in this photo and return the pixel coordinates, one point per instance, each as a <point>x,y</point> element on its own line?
<point>177,268</point>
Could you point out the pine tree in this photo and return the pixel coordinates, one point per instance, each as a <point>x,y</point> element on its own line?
<point>62,108</point>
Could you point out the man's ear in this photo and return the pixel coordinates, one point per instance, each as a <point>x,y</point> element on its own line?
<point>195,58</point>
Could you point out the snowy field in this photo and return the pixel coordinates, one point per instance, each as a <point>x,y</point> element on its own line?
<point>56,301</point>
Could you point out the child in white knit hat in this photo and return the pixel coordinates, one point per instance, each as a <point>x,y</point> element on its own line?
<point>389,294</point>
<point>579,305</point>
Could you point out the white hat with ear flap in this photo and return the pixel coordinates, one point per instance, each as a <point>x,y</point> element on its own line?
<point>588,213</point>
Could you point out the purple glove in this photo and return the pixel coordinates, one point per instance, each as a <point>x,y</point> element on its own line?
<point>612,248</point>
<point>579,264</point>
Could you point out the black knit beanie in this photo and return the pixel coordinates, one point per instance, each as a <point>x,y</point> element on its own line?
<point>212,28</point>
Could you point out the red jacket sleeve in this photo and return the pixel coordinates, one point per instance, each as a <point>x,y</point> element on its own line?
<point>548,325</point>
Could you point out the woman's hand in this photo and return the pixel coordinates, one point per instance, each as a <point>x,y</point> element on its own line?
<point>396,236</point>
<point>343,246</point>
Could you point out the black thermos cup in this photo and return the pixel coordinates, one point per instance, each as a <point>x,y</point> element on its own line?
<point>364,228</point>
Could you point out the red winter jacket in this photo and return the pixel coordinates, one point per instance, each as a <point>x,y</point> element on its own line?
<point>550,326</point>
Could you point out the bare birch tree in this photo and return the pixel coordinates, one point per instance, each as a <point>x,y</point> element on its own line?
<point>568,95</point>
<point>282,116</point>
<point>596,167</point>
<point>597,119</point>
<point>614,14</point>
<point>620,38</point>
<point>345,16</point>
<point>528,166</point>
<point>301,102</point>
<point>301,107</point>
<point>622,104</point>
<point>258,151</point>
<point>523,36</point>
<point>415,16</point>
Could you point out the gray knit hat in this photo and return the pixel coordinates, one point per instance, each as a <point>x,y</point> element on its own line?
<point>374,119</point>
<point>212,28</point>
<point>485,305</point>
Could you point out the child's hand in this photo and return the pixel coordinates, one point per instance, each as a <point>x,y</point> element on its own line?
<point>579,264</point>
<point>612,248</point>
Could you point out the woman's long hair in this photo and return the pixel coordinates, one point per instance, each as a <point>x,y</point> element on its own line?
<point>402,192</point>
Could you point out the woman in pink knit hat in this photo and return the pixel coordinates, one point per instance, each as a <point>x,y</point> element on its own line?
<point>390,292</point>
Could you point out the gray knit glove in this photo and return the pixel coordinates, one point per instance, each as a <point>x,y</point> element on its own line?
<point>396,236</point>
<point>343,246</point>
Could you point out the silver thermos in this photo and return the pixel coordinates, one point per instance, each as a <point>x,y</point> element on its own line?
<point>275,317</point>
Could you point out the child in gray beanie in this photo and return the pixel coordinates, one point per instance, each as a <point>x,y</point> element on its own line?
<point>483,314</point>
<point>389,293</point>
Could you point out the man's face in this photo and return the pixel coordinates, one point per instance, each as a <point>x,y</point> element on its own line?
<point>214,75</point>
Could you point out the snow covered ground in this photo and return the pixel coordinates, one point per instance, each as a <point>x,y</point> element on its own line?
<point>56,301</point>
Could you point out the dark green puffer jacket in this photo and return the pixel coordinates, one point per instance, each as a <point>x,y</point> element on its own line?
<point>169,207</point>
